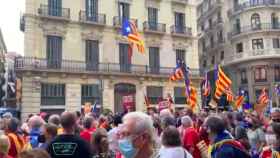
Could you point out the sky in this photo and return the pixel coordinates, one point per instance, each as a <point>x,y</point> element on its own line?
<point>10,11</point>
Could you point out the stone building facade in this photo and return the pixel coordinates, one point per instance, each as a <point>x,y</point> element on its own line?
<point>242,36</point>
<point>74,53</point>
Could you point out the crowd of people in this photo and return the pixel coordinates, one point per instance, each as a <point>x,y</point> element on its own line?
<point>164,134</point>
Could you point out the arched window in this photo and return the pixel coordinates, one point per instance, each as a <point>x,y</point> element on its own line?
<point>255,21</point>
<point>274,21</point>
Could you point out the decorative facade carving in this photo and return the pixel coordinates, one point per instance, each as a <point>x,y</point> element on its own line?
<point>55,30</point>
<point>121,39</point>
<point>180,45</point>
<point>153,42</point>
<point>152,3</point>
<point>92,36</point>
<point>178,8</point>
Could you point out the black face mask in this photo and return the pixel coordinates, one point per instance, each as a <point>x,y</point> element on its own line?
<point>41,139</point>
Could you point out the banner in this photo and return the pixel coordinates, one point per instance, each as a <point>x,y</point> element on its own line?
<point>163,105</point>
<point>128,102</point>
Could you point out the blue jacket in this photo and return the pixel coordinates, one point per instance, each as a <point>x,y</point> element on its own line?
<point>34,135</point>
<point>227,150</point>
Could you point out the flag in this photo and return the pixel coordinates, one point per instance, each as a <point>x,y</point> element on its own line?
<point>223,82</point>
<point>192,99</point>
<point>147,103</point>
<point>177,74</point>
<point>263,98</point>
<point>129,30</point>
<point>239,101</point>
<point>277,90</point>
<point>229,94</point>
<point>206,86</point>
<point>94,108</point>
<point>186,72</point>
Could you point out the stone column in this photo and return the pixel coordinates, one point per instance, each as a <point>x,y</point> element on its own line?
<point>251,81</point>
<point>31,97</point>
<point>108,95</point>
<point>73,97</point>
<point>140,98</point>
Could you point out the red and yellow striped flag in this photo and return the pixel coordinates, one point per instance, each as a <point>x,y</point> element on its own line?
<point>239,101</point>
<point>192,98</point>
<point>222,83</point>
<point>263,98</point>
<point>135,38</point>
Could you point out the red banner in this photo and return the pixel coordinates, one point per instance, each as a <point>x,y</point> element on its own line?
<point>128,101</point>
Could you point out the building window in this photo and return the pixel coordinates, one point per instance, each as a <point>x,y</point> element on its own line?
<point>274,21</point>
<point>92,10</point>
<point>125,62</point>
<point>54,52</point>
<point>213,60</point>
<point>179,95</point>
<point>260,74</point>
<point>203,45</point>
<point>180,55</point>
<point>243,77</point>
<point>237,26</point>
<point>204,63</point>
<point>220,36</point>
<point>277,73</point>
<point>210,23</point>
<point>257,44</point>
<point>55,7</point>
<point>92,55</point>
<point>52,94</point>
<point>154,94</point>
<point>123,11</point>
<point>153,18</point>
<point>154,62</point>
<point>202,27</point>
<point>239,47</point>
<point>255,21</point>
<point>222,55</point>
<point>90,93</point>
<point>180,22</point>
<point>212,41</point>
<point>276,42</point>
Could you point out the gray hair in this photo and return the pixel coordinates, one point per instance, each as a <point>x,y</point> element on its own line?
<point>35,122</point>
<point>165,113</point>
<point>186,121</point>
<point>143,122</point>
<point>54,119</point>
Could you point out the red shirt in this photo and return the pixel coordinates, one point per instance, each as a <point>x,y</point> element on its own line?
<point>191,139</point>
<point>86,134</point>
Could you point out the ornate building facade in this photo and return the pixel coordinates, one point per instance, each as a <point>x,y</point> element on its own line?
<point>74,53</point>
<point>243,36</point>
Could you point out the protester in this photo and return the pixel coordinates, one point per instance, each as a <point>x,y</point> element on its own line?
<point>35,153</point>
<point>222,143</point>
<point>4,146</point>
<point>17,142</point>
<point>89,128</point>
<point>113,133</point>
<point>35,123</point>
<point>137,136</point>
<point>49,133</point>
<point>100,144</point>
<point>68,145</point>
<point>272,150</point>
<point>191,137</point>
<point>275,115</point>
<point>172,146</point>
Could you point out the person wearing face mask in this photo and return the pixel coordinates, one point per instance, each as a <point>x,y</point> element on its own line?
<point>275,115</point>
<point>222,144</point>
<point>137,135</point>
<point>272,150</point>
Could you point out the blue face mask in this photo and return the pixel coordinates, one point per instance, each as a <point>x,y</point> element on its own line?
<point>126,148</point>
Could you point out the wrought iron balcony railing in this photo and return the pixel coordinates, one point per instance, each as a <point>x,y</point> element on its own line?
<point>154,27</point>
<point>181,30</point>
<point>71,66</point>
<point>258,27</point>
<point>180,1</point>
<point>94,19</point>
<point>48,11</point>
<point>253,4</point>
<point>117,21</point>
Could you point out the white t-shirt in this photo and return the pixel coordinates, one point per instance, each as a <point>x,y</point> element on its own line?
<point>174,152</point>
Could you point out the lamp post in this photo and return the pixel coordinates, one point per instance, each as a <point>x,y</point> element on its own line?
<point>101,89</point>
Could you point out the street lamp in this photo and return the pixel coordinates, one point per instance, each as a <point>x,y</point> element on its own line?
<point>101,89</point>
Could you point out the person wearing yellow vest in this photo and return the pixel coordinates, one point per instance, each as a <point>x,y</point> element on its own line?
<point>17,142</point>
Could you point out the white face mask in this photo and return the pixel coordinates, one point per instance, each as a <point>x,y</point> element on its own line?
<point>270,139</point>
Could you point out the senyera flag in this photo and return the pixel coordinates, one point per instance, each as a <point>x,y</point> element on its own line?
<point>223,82</point>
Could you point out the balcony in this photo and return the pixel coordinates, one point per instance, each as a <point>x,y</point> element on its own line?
<point>181,31</point>
<point>253,55</point>
<point>153,27</point>
<point>251,5</point>
<point>210,11</point>
<point>117,21</point>
<point>80,67</point>
<point>46,11</point>
<point>184,2</point>
<point>252,29</point>
<point>215,46</point>
<point>96,19</point>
